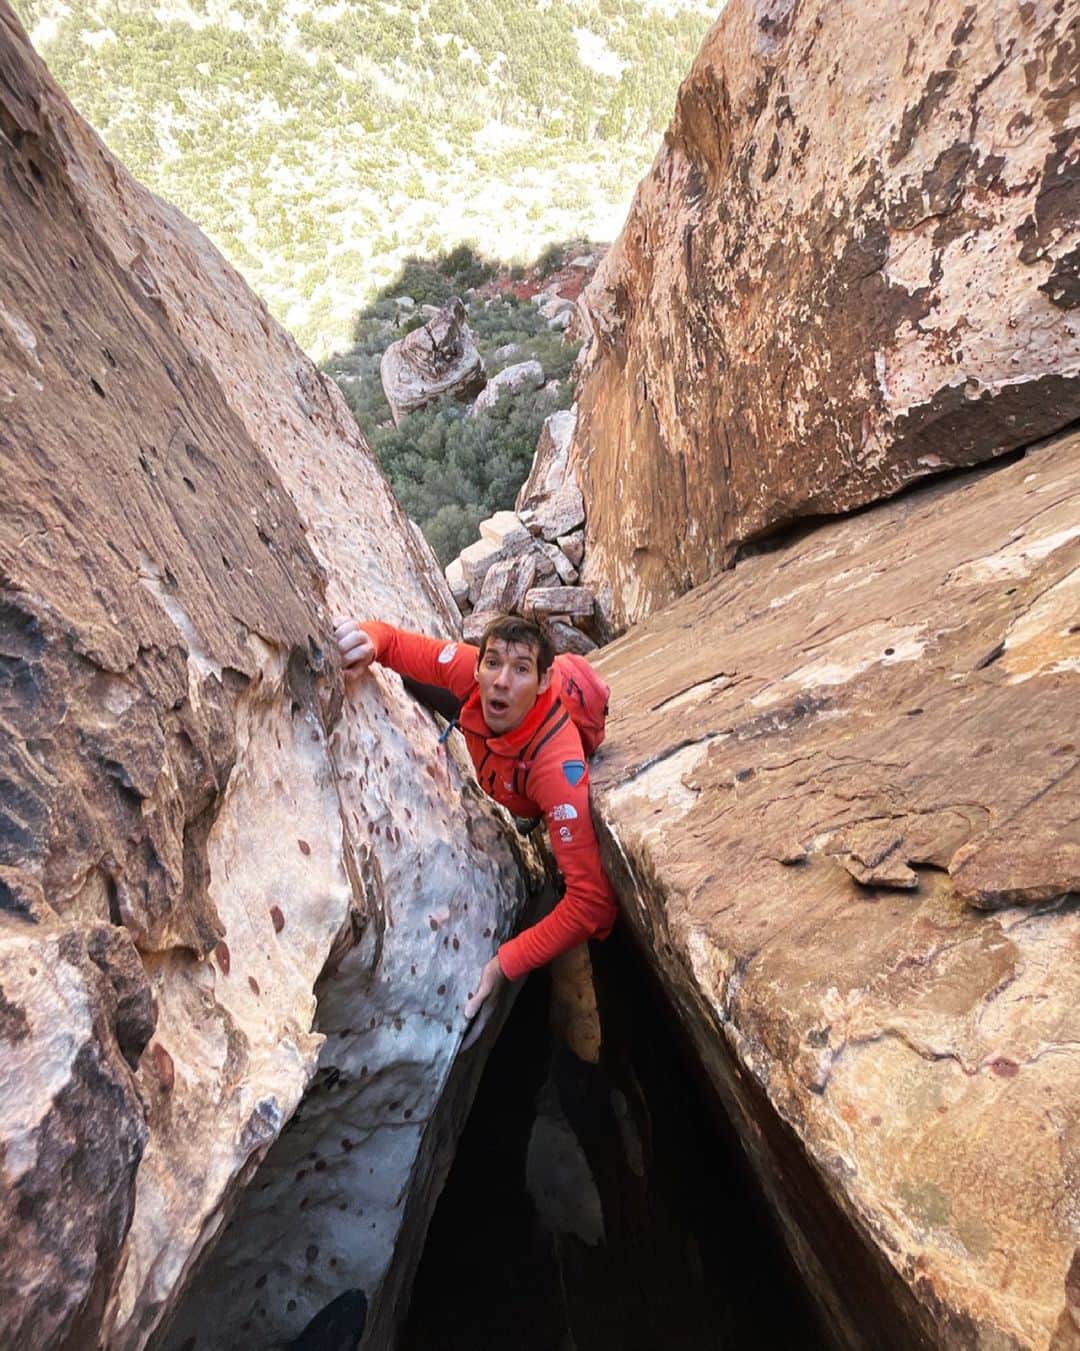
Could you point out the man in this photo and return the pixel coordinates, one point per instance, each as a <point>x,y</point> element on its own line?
<point>528,756</point>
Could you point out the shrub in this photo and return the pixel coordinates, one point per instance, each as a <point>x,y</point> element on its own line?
<point>450,470</point>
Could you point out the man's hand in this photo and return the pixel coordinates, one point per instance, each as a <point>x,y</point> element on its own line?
<point>356,648</point>
<point>491,981</point>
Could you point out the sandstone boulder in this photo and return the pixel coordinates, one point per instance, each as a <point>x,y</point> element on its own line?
<point>475,624</point>
<point>564,569</point>
<point>575,602</point>
<point>438,358</point>
<point>506,585</point>
<point>557,305</point>
<point>505,531</point>
<point>200,828</point>
<point>573,546</point>
<point>567,638</point>
<point>550,515</point>
<point>511,381</point>
<point>851,265</point>
<point>477,558</point>
<point>455,580</point>
<point>549,466</point>
<point>896,690</point>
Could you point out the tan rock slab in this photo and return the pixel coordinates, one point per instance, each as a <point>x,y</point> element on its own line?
<point>575,601</point>
<point>909,1062</point>
<point>550,461</point>
<point>505,531</point>
<point>202,826</point>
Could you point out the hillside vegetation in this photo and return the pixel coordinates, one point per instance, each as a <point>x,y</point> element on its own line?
<point>320,143</point>
<point>450,470</point>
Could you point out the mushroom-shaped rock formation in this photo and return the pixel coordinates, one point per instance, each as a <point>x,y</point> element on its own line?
<point>816,768</point>
<point>197,829</point>
<point>852,264</point>
<point>439,358</point>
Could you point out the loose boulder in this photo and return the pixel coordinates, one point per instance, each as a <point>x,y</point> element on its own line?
<point>438,358</point>
<point>511,381</point>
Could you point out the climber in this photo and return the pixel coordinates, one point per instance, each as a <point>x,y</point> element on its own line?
<point>529,756</point>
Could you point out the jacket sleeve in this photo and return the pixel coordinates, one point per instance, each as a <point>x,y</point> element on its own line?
<point>588,908</point>
<point>432,661</point>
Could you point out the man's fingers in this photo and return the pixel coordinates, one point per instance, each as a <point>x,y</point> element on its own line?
<point>354,645</point>
<point>352,648</point>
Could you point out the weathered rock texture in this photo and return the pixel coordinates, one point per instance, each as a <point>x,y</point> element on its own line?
<point>438,358</point>
<point>510,381</point>
<point>893,699</point>
<point>852,264</point>
<point>193,828</point>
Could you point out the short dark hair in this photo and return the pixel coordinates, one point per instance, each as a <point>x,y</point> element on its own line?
<point>514,629</point>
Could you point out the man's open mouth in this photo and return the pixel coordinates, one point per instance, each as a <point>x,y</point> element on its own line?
<point>498,705</point>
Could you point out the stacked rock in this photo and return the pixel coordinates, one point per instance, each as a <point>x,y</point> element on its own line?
<point>527,561</point>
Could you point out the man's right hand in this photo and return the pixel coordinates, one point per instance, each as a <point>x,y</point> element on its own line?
<point>356,648</point>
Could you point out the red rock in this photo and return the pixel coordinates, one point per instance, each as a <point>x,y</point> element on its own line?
<point>851,265</point>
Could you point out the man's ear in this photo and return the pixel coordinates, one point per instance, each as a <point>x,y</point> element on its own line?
<point>545,680</point>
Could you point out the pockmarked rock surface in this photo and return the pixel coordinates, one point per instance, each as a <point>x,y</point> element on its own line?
<point>201,834</point>
<point>853,264</point>
<point>438,358</point>
<point>820,771</point>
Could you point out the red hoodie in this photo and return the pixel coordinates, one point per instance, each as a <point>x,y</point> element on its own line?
<point>536,769</point>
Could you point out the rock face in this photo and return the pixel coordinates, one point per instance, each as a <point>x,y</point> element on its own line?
<point>852,264</point>
<point>816,768</point>
<point>439,358</point>
<point>196,826</point>
<point>549,466</point>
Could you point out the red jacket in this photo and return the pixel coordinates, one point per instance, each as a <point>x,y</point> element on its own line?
<point>552,782</point>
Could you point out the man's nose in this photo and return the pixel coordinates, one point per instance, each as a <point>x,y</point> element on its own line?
<point>502,677</point>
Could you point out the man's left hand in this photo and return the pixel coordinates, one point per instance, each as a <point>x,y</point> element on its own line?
<point>491,981</point>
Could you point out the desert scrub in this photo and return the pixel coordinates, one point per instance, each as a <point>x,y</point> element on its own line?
<point>290,135</point>
<point>450,470</point>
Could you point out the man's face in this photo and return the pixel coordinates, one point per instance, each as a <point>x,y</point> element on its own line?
<point>509,683</point>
